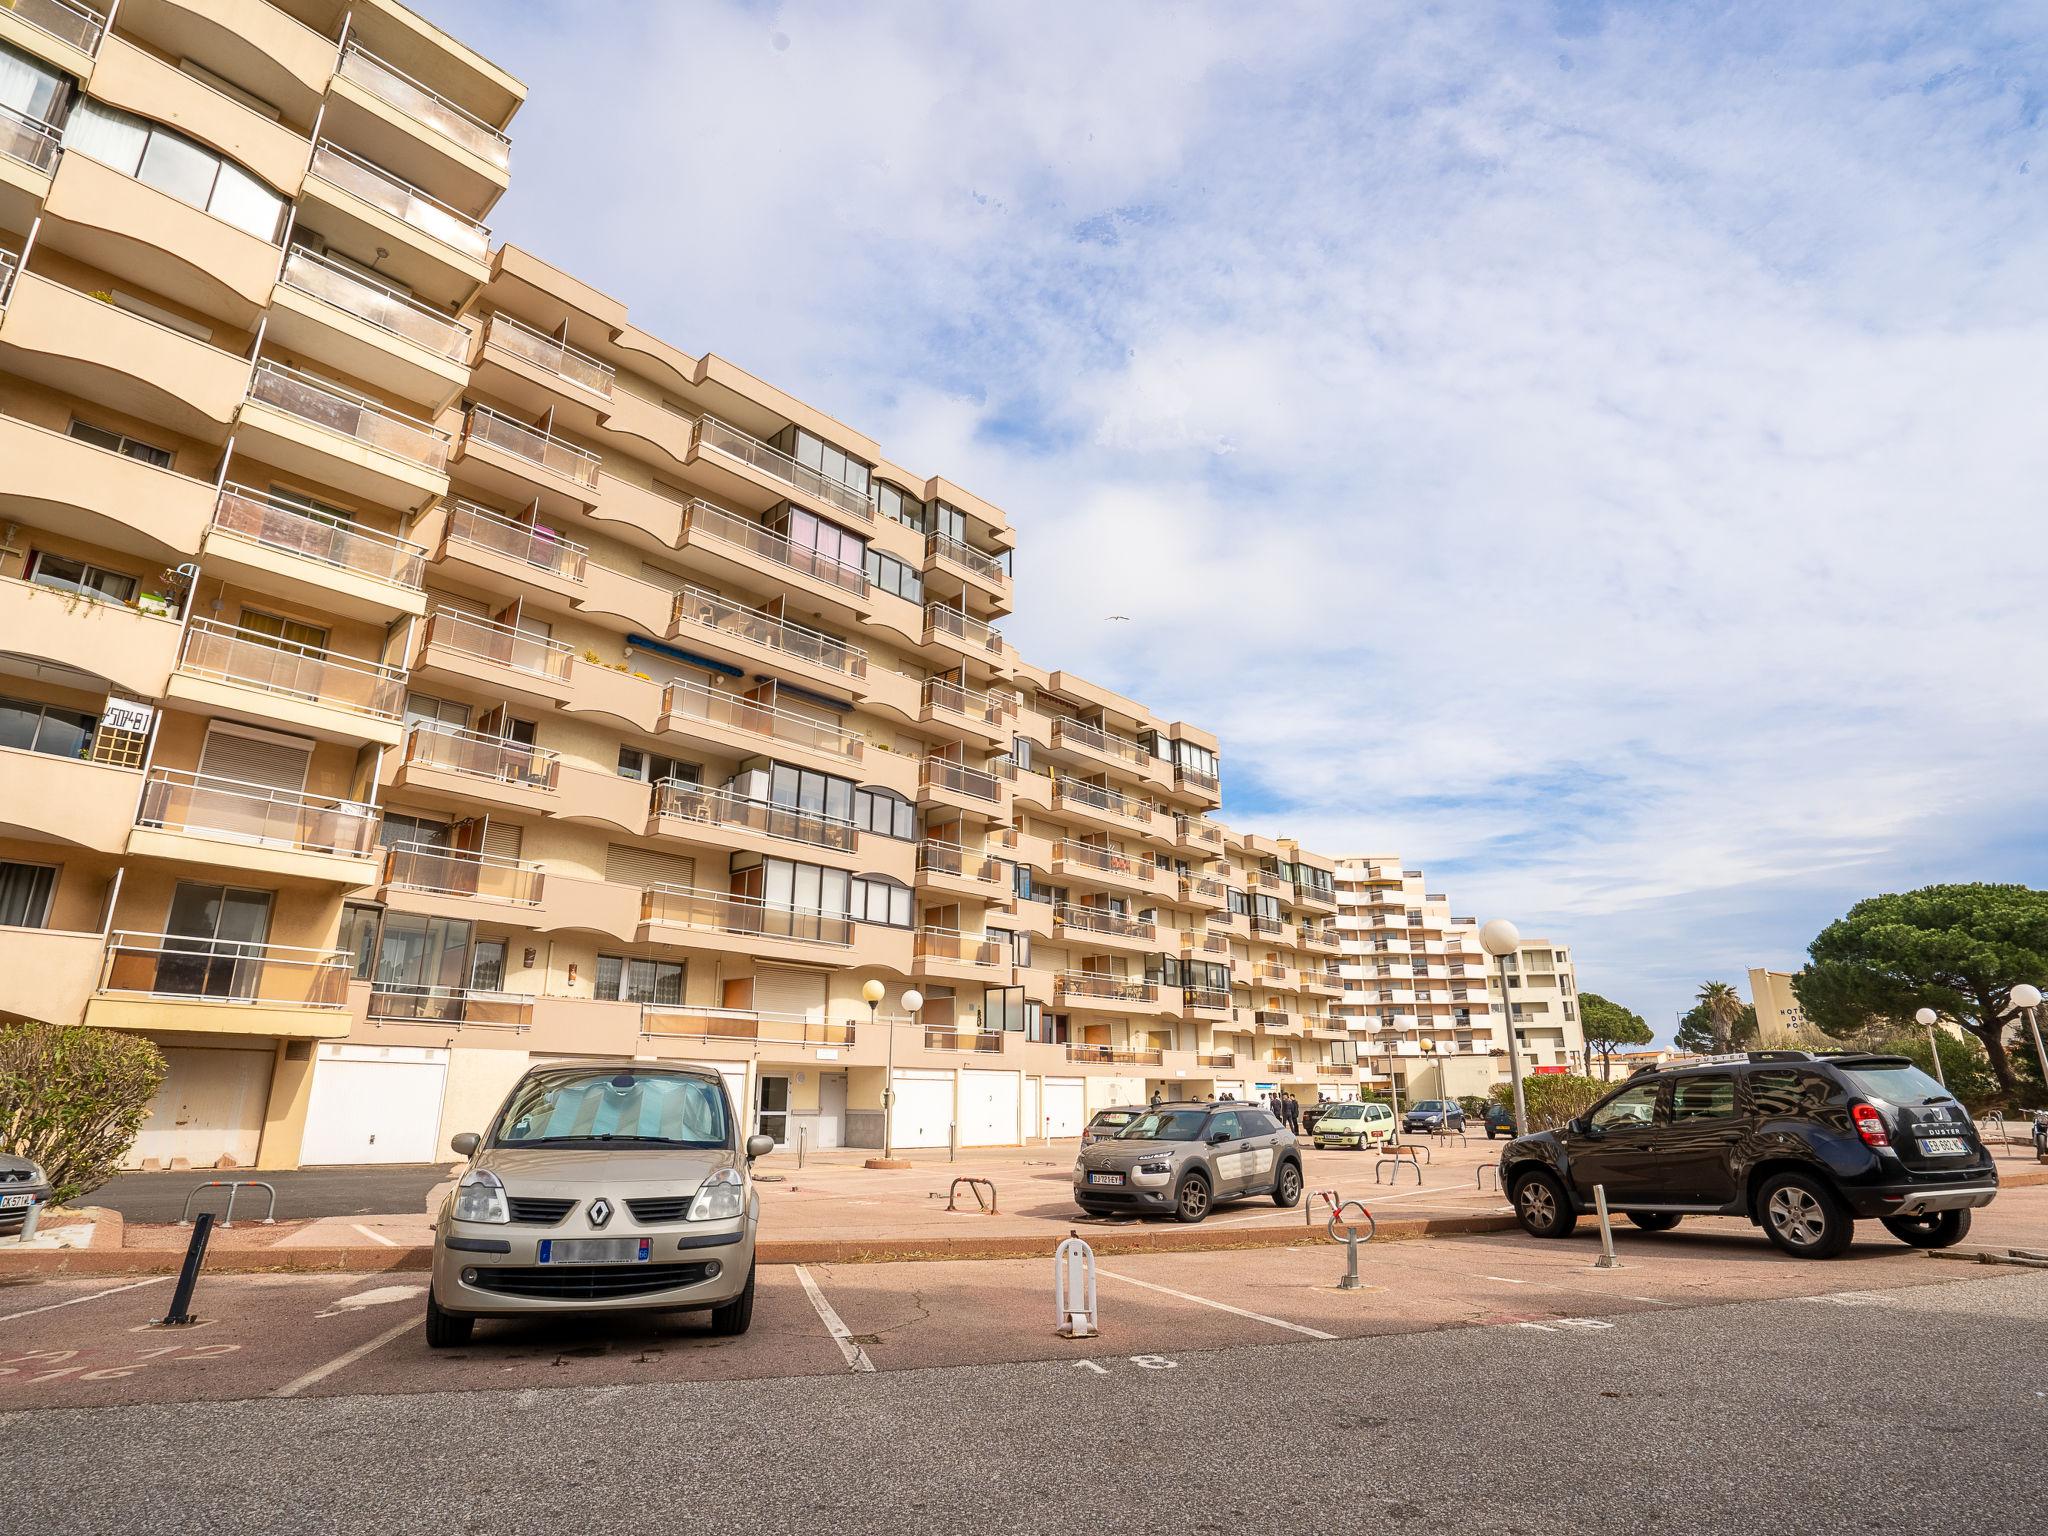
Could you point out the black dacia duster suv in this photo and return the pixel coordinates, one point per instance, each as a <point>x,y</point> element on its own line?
<point>1803,1144</point>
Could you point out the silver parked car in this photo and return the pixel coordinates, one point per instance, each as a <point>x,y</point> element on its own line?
<point>1184,1158</point>
<point>600,1187</point>
<point>22,1184</point>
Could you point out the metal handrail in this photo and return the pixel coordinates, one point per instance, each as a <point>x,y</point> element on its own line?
<point>551,453</point>
<point>529,543</point>
<point>400,198</point>
<point>710,610</point>
<point>556,356</point>
<point>745,1024</point>
<point>722,808</point>
<point>1138,866</point>
<point>183,968</point>
<point>715,522</point>
<point>1097,739</point>
<point>309,398</point>
<point>716,707</point>
<point>482,755</point>
<point>388,309</point>
<point>1100,920</point>
<point>425,105</point>
<point>471,1007</point>
<point>179,800</point>
<point>1122,989</point>
<point>738,443</point>
<point>9,265</point>
<point>228,654</point>
<point>977,1041</point>
<point>942,943</point>
<point>939,618</point>
<point>503,645</point>
<point>264,518</point>
<point>954,859</point>
<point>724,912</point>
<point>944,773</point>
<point>945,547</point>
<point>438,870</point>
<point>79,25</point>
<point>1101,799</point>
<point>945,694</point>
<point>29,140</point>
<point>1194,829</point>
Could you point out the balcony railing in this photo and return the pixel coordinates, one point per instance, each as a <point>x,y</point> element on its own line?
<point>981,1041</point>
<point>223,653</point>
<point>1078,733</point>
<point>1216,998</point>
<point>723,616</point>
<point>944,773</point>
<point>27,139</point>
<point>79,25</point>
<point>1272,1018</point>
<point>1201,888</point>
<point>720,912</point>
<point>741,1024</point>
<point>480,755</point>
<point>680,801</point>
<point>394,87</point>
<point>277,523</point>
<point>528,543</point>
<point>1215,1058</point>
<point>576,465</point>
<point>439,871</point>
<point>401,199</point>
<point>9,264</point>
<point>1102,920</point>
<point>467,1007</point>
<point>388,309</point>
<point>1195,779</point>
<point>945,547</point>
<point>1131,865</point>
<point>1192,829</point>
<point>1268,970</point>
<point>703,519</point>
<point>1111,1055</point>
<point>970,632</point>
<point>550,355</point>
<point>354,416</point>
<point>502,645</point>
<point>1279,1063</point>
<point>694,701</point>
<point>1074,792</point>
<point>1205,943</point>
<point>178,968</point>
<point>952,859</point>
<point>1116,989</point>
<point>176,800</point>
<point>773,462</point>
<point>951,944</point>
<point>1268,927</point>
<point>970,703</point>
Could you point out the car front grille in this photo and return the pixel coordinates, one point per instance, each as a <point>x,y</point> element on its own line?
<point>537,1209</point>
<point>11,1222</point>
<point>658,1210</point>
<point>587,1282</point>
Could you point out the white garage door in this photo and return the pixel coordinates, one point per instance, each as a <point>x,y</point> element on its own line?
<point>210,1106</point>
<point>988,1109</point>
<point>1063,1112</point>
<point>374,1104</point>
<point>924,1109</point>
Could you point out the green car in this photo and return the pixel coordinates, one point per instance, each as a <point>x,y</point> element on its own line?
<point>1354,1126</point>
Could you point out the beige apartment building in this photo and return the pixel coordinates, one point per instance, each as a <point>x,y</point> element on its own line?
<point>1425,1002</point>
<point>414,670</point>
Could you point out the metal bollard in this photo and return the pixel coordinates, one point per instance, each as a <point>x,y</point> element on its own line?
<point>953,1142</point>
<point>799,1146</point>
<point>1073,1289</point>
<point>1607,1260</point>
<point>1351,1239</point>
<point>195,1255</point>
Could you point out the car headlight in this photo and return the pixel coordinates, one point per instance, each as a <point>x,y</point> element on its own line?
<point>1156,1165</point>
<point>720,1198</point>
<point>36,1174</point>
<point>481,1197</point>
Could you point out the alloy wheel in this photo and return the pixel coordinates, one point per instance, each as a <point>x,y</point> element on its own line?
<point>1797,1216</point>
<point>1539,1205</point>
<point>1194,1198</point>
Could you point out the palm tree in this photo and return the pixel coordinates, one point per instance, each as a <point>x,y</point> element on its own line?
<point>1724,1010</point>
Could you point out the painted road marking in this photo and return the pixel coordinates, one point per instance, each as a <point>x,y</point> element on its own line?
<point>374,1236</point>
<point>382,1296</point>
<point>856,1357</point>
<point>95,1296</point>
<point>1504,1279</point>
<point>343,1361</point>
<point>1220,1306</point>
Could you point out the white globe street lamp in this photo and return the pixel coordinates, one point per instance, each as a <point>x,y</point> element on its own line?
<point>2027,999</point>
<point>1501,938</point>
<point>912,1001</point>
<point>1926,1018</point>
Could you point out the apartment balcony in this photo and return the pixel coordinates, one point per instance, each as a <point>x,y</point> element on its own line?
<point>337,316</point>
<point>951,869</point>
<point>735,550</point>
<point>158,982</point>
<point>1201,891</point>
<point>1213,947</point>
<point>750,473</point>
<point>1097,806</point>
<point>964,636</point>
<point>265,681</point>
<point>1204,786</point>
<point>1267,927</point>
<point>438,881</point>
<point>329,435</point>
<point>1098,927</point>
<point>470,770</point>
<point>79,345</point>
<point>66,801</point>
<point>970,566</point>
<point>746,637</point>
<point>1115,1056</point>
<point>1266,881</point>
<point>734,726</point>
<point>947,954</point>
<point>59,32</point>
<point>1209,1004</point>
<point>523,466</point>
<point>724,924</point>
<point>973,1042</point>
<point>1092,865</point>
<point>437,251</point>
<point>1090,992</point>
<point>943,783</point>
<point>1278,1019</point>
<point>1093,744</point>
<point>449,1007</point>
<point>964,714</point>
<point>129,650</point>
<point>276,545</point>
<point>485,551</point>
<point>1191,834</point>
<point>1316,898</point>
<point>1281,1064</point>
<point>666,1022</point>
<point>1322,983</point>
<point>1323,939</point>
<point>1216,1060</point>
<point>538,373</point>
<point>718,818</point>
<point>253,829</point>
<point>391,116</point>
<point>460,650</point>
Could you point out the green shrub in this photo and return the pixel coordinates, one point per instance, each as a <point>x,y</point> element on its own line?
<point>73,1099</point>
<point>1553,1097</point>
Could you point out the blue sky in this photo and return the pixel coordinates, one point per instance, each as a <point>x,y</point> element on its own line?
<point>1595,451</point>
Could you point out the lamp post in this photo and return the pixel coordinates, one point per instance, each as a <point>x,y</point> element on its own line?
<point>1925,1018</point>
<point>2027,1000</point>
<point>1500,938</point>
<point>912,1001</point>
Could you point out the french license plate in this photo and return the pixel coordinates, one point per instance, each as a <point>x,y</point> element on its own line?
<point>595,1250</point>
<point>13,1202</point>
<point>1942,1146</point>
<point>1105,1178</point>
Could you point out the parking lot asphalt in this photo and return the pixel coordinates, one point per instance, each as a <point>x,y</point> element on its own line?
<point>301,1192</point>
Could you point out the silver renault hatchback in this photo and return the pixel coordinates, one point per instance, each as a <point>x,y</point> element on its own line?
<point>600,1187</point>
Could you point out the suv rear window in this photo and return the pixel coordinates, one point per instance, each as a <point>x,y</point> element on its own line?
<point>1703,1098</point>
<point>1895,1082</point>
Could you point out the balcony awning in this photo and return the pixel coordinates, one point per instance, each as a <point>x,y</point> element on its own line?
<point>689,658</point>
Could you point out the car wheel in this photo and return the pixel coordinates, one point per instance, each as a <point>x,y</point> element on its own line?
<point>1287,1188</point>
<point>1940,1229</point>
<point>1191,1204</point>
<point>1490,1133</point>
<point>1655,1221</point>
<point>1802,1216</point>
<point>1543,1207</point>
<point>446,1330</point>
<point>737,1315</point>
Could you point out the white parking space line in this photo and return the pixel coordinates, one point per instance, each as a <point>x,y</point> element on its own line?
<point>856,1357</point>
<point>343,1361</point>
<point>1220,1306</point>
<point>95,1296</point>
<point>373,1235</point>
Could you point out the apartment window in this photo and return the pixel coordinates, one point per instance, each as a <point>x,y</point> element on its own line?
<point>879,900</point>
<point>804,789</point>
<point>802,887</point>
<point>1341,1053</point>
<point>1018,940</point>
<point>423,951</point>
<point>174,164</point>
<point>487,966</point>
<point>32,88</point>
<point>1002,1008</point>
<point>1240,903</point>
<point>900,506</point>
<point>25,894</point>
<point>808,531</point>
<point>120,442</point>
<point>885,813</point>
<point>46,728</point>
<point>949,521</point>
<point>833,463</point>
<point>624,980</point>
<point>438,714</point>
<point>654,767</point>
<point>359,937</point>
<point>1200,760</point>
<point>286,634</point>
<point>893,576</point>
<point>398,827</point>
<point>70,575</point>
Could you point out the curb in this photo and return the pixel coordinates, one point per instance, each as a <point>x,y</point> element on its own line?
<point>84,1262</point>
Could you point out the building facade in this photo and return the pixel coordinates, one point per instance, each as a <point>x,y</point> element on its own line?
<point>410,669</point>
